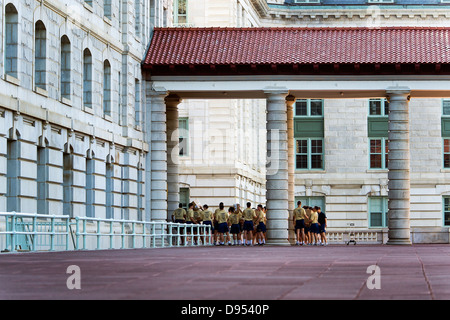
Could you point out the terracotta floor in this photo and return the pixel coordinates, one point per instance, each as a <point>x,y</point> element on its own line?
<point>236,273</point>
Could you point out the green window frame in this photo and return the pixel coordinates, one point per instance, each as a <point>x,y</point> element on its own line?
<point>308,108</point>
<point>378,108</point>
<point>378,153</point>
<point>309,154</point>
<point>183,140</point>
<point>446,211</point>
<point>180,12</point>
<point>378,212</point>
<point>184,197</point>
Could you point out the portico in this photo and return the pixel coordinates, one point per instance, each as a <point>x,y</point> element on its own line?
<point>280,82</point>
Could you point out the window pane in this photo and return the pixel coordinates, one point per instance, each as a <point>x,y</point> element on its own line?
<point>316,162</point>
<point>375,161</point>
<point>316,146</point>
<point>446,160</point>
<point>375,107</point>
<point>386,154</point>
<point>376,219</point>
<point>446,145</point>
<point>316,107</point>
<point>446,107</point>
<point>302,162</point>
<point>386,108</point>
<point>375,146</point>
<point>300,108</point>
<point>302,146</point>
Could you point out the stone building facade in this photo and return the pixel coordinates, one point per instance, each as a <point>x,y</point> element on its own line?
<point>74,117</point>
<point>71,106</point>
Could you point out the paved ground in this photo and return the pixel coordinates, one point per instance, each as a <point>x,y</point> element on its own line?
<point>236,273</point>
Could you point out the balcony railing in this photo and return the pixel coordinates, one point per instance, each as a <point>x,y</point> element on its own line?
<point>39,232</point>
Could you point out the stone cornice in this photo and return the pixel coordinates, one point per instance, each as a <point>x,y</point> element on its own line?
<point>357,13</point>
<point>261,7</point>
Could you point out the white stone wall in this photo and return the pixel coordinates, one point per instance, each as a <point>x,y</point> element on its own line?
<point>65,133</point>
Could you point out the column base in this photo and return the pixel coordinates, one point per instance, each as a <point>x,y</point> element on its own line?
<point>278,242</point>
<point>404,242</point>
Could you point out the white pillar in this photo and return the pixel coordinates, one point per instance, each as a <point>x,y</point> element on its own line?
<point>290,101</point>
<point>277,168</point>
<point>158,155</point>
<point>399,166</point>
<point>173,151</point>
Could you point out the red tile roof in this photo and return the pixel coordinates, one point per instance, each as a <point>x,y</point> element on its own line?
<point>177,47</point>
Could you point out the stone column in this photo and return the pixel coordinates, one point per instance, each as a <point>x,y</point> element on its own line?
<point>399,166</point>
<point>158,155</point>
<point>290,101</point>
<point>173,151</point>
<point>277,168</point>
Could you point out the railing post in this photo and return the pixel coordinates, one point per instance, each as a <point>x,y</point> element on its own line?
<point>111,233</point>
<point>67,234</point>
<point>133,238</point>
<point>33,244</point>
<point>52,234</point>
<point>13,232</point>
<point>84,234</point>
<point>98,234</point>
<point>123,234</point>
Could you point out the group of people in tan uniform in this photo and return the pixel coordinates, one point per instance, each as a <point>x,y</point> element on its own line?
<point>248,227</point>
<point>309,224</point>
<point>233,227</point>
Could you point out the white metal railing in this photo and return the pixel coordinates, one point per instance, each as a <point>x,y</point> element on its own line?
<point>39,232</point>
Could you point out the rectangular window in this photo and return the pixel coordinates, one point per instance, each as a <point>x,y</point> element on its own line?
<point>446,107</point>
<point>184,197</point>
<point>447,153</point>
<point>183,129</point>
<point>378,153</point>
<point>378,212</point>
<point>309,108</point>
<point>446,201</point>
<point>180,12</point>
<point>378,107</point>
<point>309,154</point>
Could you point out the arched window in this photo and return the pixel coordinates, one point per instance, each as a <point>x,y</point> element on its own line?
<point>106,88</point>
<point>87,78</point>
<point>11,40</point>
<point>65,67</point>
<point>40,53</point>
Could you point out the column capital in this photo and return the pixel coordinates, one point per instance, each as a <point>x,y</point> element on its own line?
<point>290,100</point>
<point>398,93</point>
<point>172,100</point>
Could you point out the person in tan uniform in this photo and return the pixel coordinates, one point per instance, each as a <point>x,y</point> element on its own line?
<point>314,226</point>
<point>233,222</point>
<point>222,219</point>
<point>260,224</point>
<point>298,220</point>
<point>248,214</point>
<point>179,216</point>
<point>307,225</point>
<point>190,218</point>
<point>208,218</point>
